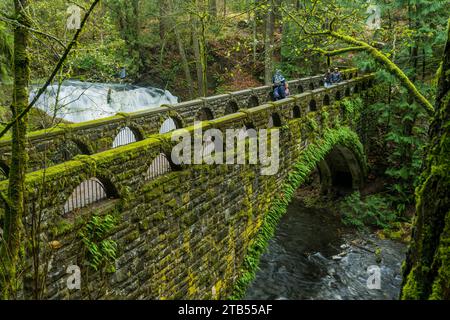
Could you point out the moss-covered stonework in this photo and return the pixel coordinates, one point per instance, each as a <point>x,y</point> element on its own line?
<point>307,162</point>
<point>56,145</point>
<point>193,232</point>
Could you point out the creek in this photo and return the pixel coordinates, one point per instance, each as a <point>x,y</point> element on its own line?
<point>314,256</point>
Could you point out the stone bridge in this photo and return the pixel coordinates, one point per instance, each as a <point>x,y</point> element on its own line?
<point>56,145</point>
<point>140,227</point>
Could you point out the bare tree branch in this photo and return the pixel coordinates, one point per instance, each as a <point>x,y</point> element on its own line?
<point>380,57</point>
<point>55,71</point>
<point>42,33</point>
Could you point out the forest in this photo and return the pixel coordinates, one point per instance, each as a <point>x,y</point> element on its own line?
<point>137,53</point>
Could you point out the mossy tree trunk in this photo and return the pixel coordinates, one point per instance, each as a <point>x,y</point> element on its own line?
<point>13,231</point>
<point>427,267</point>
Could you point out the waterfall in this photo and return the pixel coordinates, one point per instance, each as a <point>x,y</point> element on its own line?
<point>78,101</point>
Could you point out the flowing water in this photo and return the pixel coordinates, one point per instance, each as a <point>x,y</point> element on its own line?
<point>313,256</point>
<point>77,101</point>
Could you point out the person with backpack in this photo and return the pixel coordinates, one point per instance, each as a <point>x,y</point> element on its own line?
<point>336,76</point>
<point>279,86</point>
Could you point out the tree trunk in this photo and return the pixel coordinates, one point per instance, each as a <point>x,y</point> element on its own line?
<point>203,57</point>
<point>268,45</point>
<point>184,60</point>
<point>196,47</point>
<point>213,8</point>
<point>13,231</point>
<point>426,271</point>
<point>162,18</point>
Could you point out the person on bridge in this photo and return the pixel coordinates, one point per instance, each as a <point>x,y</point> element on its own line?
<point>327,79</point>
<point>279,86</point>
<point>286,89</point>
<point>336,76</point>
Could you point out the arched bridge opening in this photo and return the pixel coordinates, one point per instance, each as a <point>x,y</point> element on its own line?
<point>340,171</point>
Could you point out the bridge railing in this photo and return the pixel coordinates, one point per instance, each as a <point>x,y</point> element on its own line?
<point>56,145</point>
<point>150,158</point>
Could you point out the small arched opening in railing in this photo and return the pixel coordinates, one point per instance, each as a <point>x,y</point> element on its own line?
<point>350,76</point>
<point>170,124</point>
<point>363,86</point>
<point>338,95</point>
<point>205,114</point>
<point>313,105</point>
<point>232,107</point>
<point>253,102</point>
<point>69,149</point>
<point>213,145</point>
<point>326,100</point>
<point>300,89</point>
<point>249,126</point>
<point>347,92</point>
<point>311,86</point>
<point>159,166</point>
<point>126,136</point>
<point>344,77</point>
<point>296,112</point>
<point>274,120</point>
<point>89,192</point>
<point>321,83</point>
<point>356,89</point>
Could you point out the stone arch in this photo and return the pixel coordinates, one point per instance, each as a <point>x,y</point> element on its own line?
<point>126,136</point>
<point>232,107</point>
<point>275,120</point>
<point>170,124</point>
<point>296,112</point>
<point>159,166</point>
<point>205,114</point>
<point>311,86</point>
<point>338,95</point>
<point>69,149</point>
<point>253,101</point>
<point>312,105</point>
<point>89,192</point>
<point>347,92</point>
<point>300,89</point>
<point>326,100</point>
<point>249,125</point>
<point>341,170</point>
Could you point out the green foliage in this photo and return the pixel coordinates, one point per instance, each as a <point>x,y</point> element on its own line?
<point>305,165</point>
<point>6,52</point>
<point>102,63</point>
<point>373,211</point>
<point>101,252</point>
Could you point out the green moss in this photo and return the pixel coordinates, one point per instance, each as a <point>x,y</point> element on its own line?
<point>305,165</point>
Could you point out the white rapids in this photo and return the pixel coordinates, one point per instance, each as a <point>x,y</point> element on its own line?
<point>77,101</point>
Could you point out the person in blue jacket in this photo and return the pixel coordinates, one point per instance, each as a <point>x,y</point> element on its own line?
<point>279,86</point>
<point>336,76</point>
